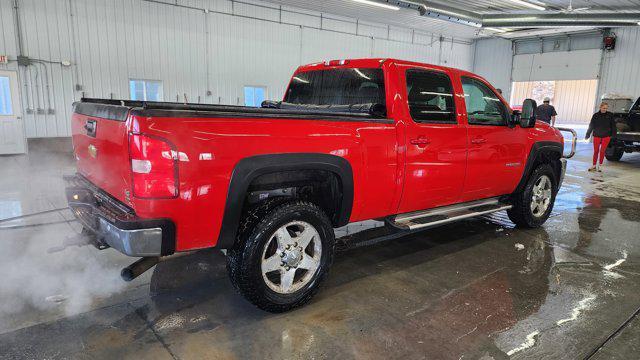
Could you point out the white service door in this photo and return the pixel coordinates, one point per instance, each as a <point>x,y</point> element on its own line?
<point>12,140</point>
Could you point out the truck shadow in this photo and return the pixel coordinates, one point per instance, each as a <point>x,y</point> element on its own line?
<point>200,280</point>
<point>472,262</point>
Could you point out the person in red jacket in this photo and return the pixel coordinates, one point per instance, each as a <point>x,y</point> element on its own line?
<point>603,127</point>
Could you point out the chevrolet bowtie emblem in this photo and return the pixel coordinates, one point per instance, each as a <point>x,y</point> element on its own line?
<point>93,151</point>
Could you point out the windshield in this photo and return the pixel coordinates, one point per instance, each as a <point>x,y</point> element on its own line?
<point>636,107</point>
<point>619,105</point>
<point>337,87</point>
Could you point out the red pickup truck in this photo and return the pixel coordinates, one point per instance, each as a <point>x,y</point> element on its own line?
<point>410,145</point>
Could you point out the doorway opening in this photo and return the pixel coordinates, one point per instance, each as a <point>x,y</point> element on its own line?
<point>574,100</point>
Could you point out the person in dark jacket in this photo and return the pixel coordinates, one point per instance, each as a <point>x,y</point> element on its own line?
<point>603,127</point>
<point>546,112</point>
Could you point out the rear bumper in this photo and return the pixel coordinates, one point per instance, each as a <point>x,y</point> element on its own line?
<point>116,225</point>
<point>628,136</point>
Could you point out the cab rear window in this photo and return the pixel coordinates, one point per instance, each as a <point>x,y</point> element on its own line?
<point>347,86</point>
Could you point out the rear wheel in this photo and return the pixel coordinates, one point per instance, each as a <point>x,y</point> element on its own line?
<point>533,205</point>
<point>281,260</point>
<point>614,152</point>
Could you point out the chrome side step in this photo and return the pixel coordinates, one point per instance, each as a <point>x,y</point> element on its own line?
<point>447,214</point>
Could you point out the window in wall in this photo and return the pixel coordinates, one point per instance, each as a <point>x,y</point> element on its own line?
<point>483,105</point>
<point>430,96</point>
<point>254,95</point>
<point>145,90</point>
<point>5,96</point>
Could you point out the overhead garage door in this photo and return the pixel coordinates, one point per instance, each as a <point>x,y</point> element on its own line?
<point>558,65</point>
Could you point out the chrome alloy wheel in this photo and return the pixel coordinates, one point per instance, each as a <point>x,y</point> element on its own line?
<point>291,257</point>
<point>541,196</point>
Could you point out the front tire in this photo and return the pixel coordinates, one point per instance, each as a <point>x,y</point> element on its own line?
<point>614,152</point>
<point>282,256</point>
<point>533,205</point>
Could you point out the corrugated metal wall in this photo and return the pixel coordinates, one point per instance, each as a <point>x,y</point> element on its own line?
<point>493,60</point>
<point>621,68</point>
<point>575,101</point>
<point>206,50</point>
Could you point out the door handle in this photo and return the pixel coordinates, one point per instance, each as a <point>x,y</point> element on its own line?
<point>420,142</point>
<point>478,141</point>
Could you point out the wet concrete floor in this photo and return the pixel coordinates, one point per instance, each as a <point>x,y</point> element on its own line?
<point>478,289</point>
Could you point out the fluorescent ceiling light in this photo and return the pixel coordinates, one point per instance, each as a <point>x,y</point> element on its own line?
<point>527,18</point>
<point>529,5</point>
<point>375,3</point>
<point>496,29</point>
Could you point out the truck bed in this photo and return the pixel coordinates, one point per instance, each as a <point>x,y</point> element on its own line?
<point>119,109</point>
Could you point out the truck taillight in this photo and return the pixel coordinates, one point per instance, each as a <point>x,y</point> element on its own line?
<point>154,167</point>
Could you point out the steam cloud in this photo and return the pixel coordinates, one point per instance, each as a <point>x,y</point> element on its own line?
<point>69,280</point>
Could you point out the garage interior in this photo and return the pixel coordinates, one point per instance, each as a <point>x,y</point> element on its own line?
<point>477,289</point>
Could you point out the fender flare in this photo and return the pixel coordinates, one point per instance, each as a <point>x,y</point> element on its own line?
<point>248,169</point>
<point>537,150</point>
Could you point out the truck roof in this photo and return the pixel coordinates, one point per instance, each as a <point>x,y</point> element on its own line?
<point>365,63</point>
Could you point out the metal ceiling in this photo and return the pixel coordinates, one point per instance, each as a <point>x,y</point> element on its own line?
<point>404,18</point>
<point>502,6</point>
<point>484,8</point>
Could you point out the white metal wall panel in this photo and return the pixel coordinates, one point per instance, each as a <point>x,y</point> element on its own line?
<point>456,55</point>
<point>493,61</point>
<point>566,65</point>
<point>300,17</point>
<point>7,34</point>
<point>338,23</point>
<point>372,30</point>
<point>575,101</point>
<point>400,34</point>
<point>318,45</point>
<point>48,95</point>
<point>192,51</point>
<point>621,67</point>
<point>263,11</point>
<point>384,48</point>
<point>247,52</point>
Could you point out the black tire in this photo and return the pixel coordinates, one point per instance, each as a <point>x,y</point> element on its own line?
<point>256,229</point>
<point>521,213</point>
<point>614,152</point>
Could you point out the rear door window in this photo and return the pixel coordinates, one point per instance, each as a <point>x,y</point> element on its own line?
<point>347,86</point>
<point>430,97</point>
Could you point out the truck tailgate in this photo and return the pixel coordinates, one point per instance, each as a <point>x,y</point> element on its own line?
<point>100,144</point>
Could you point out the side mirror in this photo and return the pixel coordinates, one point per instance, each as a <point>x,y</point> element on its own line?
<point>515,119</point>
<point>528,116</point>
